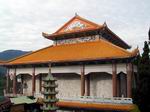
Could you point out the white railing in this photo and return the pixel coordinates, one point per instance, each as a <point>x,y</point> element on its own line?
<point>92,99</point>
<point>83,99</point>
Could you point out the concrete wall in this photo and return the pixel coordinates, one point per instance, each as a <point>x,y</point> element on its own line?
<point>72,69</point>
<point>101,85</point>
<point>68,85</point>
<point>69,78</point>
<point>28,80</point>
<point>24,71</point>
<point>122,84</point>
<point>37,85</point>
<point>37,88</point>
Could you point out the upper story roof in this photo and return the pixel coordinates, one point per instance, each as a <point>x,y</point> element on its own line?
<point>79,27</point>
<point>75,25</point>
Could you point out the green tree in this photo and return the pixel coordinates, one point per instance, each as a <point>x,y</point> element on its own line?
<point>143,89</point>
<point>149,35</point>
<point>2,84</point>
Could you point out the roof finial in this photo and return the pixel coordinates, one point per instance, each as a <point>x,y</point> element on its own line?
<point>105,24</point>
<point>76,14</point>
<point>149,35</point>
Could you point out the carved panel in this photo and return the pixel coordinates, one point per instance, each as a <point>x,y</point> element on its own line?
<point>77,40</point>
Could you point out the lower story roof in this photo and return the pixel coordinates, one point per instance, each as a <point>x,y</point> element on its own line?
<point>96,106</point>
<point>100,49</point>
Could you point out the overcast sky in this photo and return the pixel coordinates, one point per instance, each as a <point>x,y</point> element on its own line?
<point>23,21</point>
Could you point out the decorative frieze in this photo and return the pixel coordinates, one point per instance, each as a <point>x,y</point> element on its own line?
<point>77,25</point>
<point>77,40</point>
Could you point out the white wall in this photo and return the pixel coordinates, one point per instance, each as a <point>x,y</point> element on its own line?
<point>37,84</point>
<point>68,85</point>
<point>24,71</point>
<point>98,68</point>
<point>101,85</point>
<point>66,69</point>
<point>121,68</point>
<point>72,69</point>
<point>39,70</point>
<point>28,80</point>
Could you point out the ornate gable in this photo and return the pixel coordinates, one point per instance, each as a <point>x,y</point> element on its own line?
<point>77,23</point>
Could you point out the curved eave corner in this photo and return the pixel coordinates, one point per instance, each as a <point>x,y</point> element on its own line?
<point>123,42</point>
<point>45,35</point>
<point>135,52</point>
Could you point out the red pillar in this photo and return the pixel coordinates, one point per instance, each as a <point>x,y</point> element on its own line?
<point>40,82</point>
<point>114,79</point>
<point>88,85</point>
<point>14,83</point>
<point>129,80</point>
<point>33,81</point>
<point>7,81</point>
<point>82,80</point>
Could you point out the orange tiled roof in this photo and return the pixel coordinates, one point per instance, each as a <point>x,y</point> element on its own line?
<point>75,25</point>
<point>79,26</point>
<point>82,24</point>
<point>101,49</point>
<point>97,106</point>
<point>1,61</point>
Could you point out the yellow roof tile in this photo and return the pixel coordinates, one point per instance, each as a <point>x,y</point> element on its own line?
<point>101,49</point>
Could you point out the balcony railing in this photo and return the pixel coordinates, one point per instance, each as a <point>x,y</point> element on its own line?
<point>84,99</point>
<point>92,99</point>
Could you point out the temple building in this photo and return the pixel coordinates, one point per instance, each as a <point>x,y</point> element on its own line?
<point>86,58</point>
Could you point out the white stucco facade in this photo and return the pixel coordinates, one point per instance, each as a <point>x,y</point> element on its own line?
<point>71,69</point>
<point>68,79</point>
<point>101,85</point>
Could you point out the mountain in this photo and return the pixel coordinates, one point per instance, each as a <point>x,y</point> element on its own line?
<point>5,56</point>
<point>10,54</point>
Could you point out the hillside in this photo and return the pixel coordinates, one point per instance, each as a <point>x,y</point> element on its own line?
<point>10,54</point>
<point>5,56</point>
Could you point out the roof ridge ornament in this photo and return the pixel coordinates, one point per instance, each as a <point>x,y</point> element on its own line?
<point>149,35</point>
<point>76,14</point>
<point>105,24</point>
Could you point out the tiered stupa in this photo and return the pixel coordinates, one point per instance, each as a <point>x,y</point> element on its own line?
<point>50,94</point>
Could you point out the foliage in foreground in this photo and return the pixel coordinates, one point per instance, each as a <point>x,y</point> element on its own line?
<point>142,94</point>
